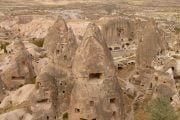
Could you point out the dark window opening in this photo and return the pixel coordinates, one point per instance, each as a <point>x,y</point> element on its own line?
<point>112,100</point>
<point>83,119</point>
<point>110,48</point>
<point>127,44</point>
<point>57,51</point>
<point>65,57</point>
<point>91,103</point>
<point>130,39</point>
<point>95,75</point>
<point>122,46</point>
<point>173,68</point>
<point>17,78</point>
<point>156,78</point>
<point>164,82</point>
<point>63,91</point>
<point>116,48</point>
<point>156,90</point>
<point>131,63</point>
<point>120,29</point>
<point>151,85</point>
<point>42,101</point>
<point>176,77</point>
<point>47,117</point>
<point>77,110</point>
<point>171,99</point>
<point>94,119</point>
<point>114,114</point>
<point>120,68</point>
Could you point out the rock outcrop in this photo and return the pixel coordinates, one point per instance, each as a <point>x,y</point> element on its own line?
<point>60,43</point>
<point>56,77</point>
<point>45,98</point>
<point>150,46</point>
<point>96,93</point>
<point>19,70</point>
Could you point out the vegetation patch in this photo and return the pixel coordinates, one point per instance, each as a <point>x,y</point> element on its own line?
<point>38,42</point>
<point>4,47</point>
<point>161,109</point>
<point>65,116</point>
<point>177,29</point>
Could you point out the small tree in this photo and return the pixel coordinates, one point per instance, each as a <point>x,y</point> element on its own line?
<point>4,47</point>
<point>161,109</point>
<point>38,42</point>
<point>65,116</point>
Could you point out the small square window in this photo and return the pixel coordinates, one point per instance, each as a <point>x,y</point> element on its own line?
<point>112,100</point>
<point>114,114</point>
<point>77,110</point>
<point>95,75</point>
<point>91,103</point>
<point>57,51</point>
<point>82,119</point>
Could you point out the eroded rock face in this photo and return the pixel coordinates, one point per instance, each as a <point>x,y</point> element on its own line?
<point>19,70</point>
<point>150,46</point>
<point>18,114</point>
<point>96,93</point>
<point>19,97</point>
<point>122,33</point>
<point>154,73</point>
<point>93,47</point>
<point>2,90</point>
<point>117,29</point>
<point>61,45</point>
<point>45,98</point>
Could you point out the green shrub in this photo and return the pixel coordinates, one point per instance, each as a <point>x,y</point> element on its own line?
<point>65,116</point>
<point>34,81</point>
<point>161,109</point>
<point>177,30</point>
<point>38,42</point>
<point>4,47</point>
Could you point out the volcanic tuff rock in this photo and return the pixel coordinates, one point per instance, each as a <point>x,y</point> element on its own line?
<point>61,45</point>
<point>96,93</point>
<point>150,46</point>
<point>19,70</point>
<point>72,76</point>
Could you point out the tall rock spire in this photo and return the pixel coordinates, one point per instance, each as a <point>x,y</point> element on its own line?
<point>93,55</point>
<point>96,94</point>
